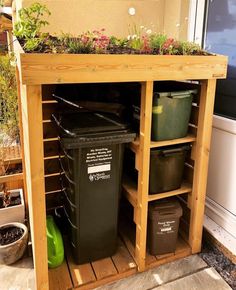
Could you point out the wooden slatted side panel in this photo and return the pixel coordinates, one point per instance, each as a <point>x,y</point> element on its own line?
<point>201,163</point>
<point>31,102</point>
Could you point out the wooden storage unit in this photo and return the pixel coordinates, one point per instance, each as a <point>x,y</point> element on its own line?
<point>37,74</point>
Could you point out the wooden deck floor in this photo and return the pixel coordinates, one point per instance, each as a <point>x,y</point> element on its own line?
<point>121,265</point>
<point>91,275</point>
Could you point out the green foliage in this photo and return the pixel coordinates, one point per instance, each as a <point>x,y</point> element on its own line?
<point>8,101</point>
<point>140,39</point>
<point>189,48</point>
<point>76,44</point>
<point>28,28</point>
<point>120,42</point>
<point>157,41</point>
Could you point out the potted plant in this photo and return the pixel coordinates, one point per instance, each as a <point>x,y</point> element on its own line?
<point>12,207</point>
<point>13,242</point>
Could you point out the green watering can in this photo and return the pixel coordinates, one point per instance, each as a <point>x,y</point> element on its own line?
<point>55,244</point>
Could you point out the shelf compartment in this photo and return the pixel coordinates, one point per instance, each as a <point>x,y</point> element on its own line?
<point>95,274</point>
<point>134,146</point>
<point>130,191</point>
<point>127,231</point>
<point>182,250</point>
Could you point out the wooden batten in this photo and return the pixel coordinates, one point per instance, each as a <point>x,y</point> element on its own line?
<point>72,68</point>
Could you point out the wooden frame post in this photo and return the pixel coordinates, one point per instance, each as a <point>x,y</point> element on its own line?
<point>201,163</point>
<point>31,105</point>
<point>143,176</point>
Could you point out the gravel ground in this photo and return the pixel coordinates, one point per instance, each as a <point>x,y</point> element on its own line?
<point>216,259</point>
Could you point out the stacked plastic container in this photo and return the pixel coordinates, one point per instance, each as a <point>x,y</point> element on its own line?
<point>172,104</point>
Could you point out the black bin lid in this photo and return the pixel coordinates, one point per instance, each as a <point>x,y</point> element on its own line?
<point>85,123</point>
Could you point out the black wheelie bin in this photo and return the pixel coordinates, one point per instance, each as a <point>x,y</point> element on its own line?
<point>91,162</point>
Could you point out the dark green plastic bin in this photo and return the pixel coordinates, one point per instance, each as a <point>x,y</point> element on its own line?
<point>170,114</point>
<point>91,166</point>
<point>166,168</point>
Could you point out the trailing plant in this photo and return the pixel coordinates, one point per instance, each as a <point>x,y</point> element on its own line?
<point>31,21</point>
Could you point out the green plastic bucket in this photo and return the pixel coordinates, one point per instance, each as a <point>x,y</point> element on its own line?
<point>170,114</point>
<point>55,244</point>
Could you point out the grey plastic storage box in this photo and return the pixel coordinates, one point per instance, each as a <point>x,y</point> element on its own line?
<point>91,163</point>
<point>163,225</point>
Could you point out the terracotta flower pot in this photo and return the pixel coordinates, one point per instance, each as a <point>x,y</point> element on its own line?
<point>12,252</point>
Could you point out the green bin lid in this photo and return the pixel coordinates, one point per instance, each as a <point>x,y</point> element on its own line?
<point>175,94</point>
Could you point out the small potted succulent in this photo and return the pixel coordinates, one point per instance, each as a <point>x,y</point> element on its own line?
<point>13,242</point>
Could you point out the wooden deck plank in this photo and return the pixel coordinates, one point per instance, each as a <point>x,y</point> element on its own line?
<point>104,268</point>
<point>122,259</point>
<point>182,250</point>
<point>59,278</point>
<point>80,274</point>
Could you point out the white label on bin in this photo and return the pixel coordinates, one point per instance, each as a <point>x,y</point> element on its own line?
<point>99,168</point>
<point>99,163</point>
<point>166,229</point>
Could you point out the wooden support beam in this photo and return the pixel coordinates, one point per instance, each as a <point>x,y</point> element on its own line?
<point>201,163</point>
<point>31,105</point>
<point>143,177</point>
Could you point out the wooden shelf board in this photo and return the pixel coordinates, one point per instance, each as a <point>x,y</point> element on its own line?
<point>134,146</point>
<point>95,274</point>
<point>189,138</point>
<point>185,188</point>
<point>130,191</point>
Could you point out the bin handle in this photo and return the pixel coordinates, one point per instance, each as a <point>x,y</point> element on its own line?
<point>171,151</point>
<point>174,150</point>
<point>68,219</point>
<point>63,171</point>
<point>181,94</point>
<point>60,157</point>
<point>64,151</point>
<point>66,195</point>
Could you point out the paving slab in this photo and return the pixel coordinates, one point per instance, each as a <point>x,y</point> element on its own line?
<point>207,279</point>
<point>159,275</point>
<point>18,276</point>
